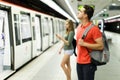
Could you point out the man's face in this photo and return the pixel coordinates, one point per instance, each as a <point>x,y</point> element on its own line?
<point>81,13</point>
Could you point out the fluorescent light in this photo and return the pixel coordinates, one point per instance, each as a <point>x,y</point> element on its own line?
<point>118,27</point>
<point>105,9</point>
<point>54,6</point>
<point>114,4</point>
<point>112,17</point>
<point>73,12</point>
<point>98,14</point>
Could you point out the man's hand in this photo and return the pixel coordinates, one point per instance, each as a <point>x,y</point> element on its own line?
<point>81,42</point>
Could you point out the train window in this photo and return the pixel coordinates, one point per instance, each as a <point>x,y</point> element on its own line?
<point>61,26</point>
<point>17,29</point>
<point>16,17</point>
<point>33,29</point>
<point>34,36</point>
<point>45,27</point>
<point>25,27</point>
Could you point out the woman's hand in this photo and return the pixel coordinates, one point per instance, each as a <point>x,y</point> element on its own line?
<point>60,51</point>
<point>58,36</point>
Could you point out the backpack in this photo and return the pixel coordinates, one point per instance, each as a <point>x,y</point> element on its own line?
<point>99,57</point>
<point>74,46</point>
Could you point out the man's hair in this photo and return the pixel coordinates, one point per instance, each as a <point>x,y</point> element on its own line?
<point>89,11</point>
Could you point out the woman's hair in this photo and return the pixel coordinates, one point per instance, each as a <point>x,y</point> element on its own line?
<point>71,26</point>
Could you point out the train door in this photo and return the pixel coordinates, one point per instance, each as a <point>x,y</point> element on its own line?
<point>45,33</point>
<point>58,27</point>
<point>51,32</point>
<point>34,41</point>
<point>62,28</point>
<point>38,34</point>
<point>23,38</point>
<point>55,31</point>
<point>5,52</point>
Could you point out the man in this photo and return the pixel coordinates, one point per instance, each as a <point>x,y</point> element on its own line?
<point>93,41</point>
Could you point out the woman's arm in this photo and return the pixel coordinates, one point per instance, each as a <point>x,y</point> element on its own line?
<point>61,49</point>
<point>61,38</point>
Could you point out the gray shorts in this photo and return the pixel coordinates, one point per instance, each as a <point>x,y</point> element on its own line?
<point>69,52</point>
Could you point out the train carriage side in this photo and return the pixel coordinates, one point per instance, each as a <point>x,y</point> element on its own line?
<point>27,34</point>
<point>55,29</point>
<point>22,33</point>
<point>33,30</point>
<point>45,31</point>
<point>38,34</point>
<point>29,25</point>
<point>62,27</point>
<point>6,46</point>
<point>51,31</point>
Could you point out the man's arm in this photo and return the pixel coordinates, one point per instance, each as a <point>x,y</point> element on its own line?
<point>96,46</point>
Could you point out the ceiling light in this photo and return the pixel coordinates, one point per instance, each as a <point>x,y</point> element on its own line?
<point>54,6</point>
<point>105,9</point>
<point>114,4</point>
<point>73,12</point>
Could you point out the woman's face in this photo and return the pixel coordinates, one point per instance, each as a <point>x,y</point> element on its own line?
<point>66,25</point>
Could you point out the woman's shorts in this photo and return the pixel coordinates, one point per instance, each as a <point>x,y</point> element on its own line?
<point>69,52</point>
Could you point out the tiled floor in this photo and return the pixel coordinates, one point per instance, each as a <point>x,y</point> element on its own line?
<point>47,67</point>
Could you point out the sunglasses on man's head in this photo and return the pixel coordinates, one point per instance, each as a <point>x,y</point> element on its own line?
<point>81,6</point>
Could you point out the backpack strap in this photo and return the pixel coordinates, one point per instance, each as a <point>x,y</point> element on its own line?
<point>86,31</point>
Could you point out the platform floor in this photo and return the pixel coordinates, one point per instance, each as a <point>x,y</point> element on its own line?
<point>47,67</point>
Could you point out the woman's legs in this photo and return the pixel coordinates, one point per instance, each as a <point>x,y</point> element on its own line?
<point>69,68</point>
<point>65,64</point>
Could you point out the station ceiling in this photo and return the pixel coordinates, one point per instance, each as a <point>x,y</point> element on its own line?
<point>103,8</point>
<point>36,5</point>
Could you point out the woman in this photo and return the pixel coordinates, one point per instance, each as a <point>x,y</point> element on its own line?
<point>68,48</point>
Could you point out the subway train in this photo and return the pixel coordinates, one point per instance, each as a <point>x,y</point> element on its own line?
<point>25,34</point>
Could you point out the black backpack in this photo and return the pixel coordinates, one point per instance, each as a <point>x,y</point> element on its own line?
<point>74,46</point>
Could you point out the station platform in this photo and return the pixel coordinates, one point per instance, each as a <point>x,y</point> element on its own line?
<point>47,67</point>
